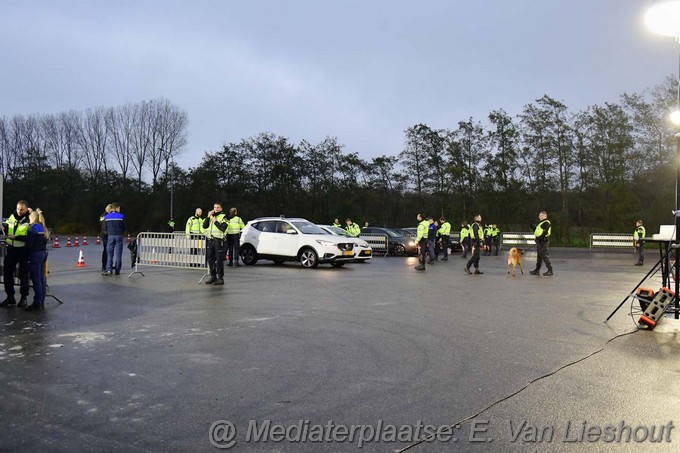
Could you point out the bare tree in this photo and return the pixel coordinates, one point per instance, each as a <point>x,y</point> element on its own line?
<point>120,125</point>
<point>93,137</point>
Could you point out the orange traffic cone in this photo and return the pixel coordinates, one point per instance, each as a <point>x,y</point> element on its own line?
<point>84,240</point>
<point>81,259</point>
<point>99,241</point>
<point>129,238</point>
<point>56,243</point>
<point>76,244</point>
<point>68,241</point>
<point>153,256</point>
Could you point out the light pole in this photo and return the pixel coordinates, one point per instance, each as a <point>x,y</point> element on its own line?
<point>663,18</point>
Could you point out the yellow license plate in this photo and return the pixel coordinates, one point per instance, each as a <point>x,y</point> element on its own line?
<point>367,252</point>
<point>348,253</point>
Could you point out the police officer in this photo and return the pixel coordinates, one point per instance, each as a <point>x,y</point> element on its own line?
<point>171,226</point>
<point>36,246</point>
<point>16,229</point>
<point>104,235</point>
<point>336,223</point>
<point>214,227</point>
<point>465,238</point>
<point>194,231</point>
<point>639,242</point>
<point>352,228</point>
<point>421,240</point>
<point>477,241</point>
<point>234,227</point>
<point>542,236</point>
<point>444,233</point>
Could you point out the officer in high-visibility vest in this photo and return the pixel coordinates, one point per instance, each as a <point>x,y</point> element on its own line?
<point>214,227</point>
<point>488,239</point>
<point>477,241</point>
<point>639,242</point>
<point>171,226</point>
<point>336,223</point>
<point>194,231</point>
<point>542,236</point>
<point>234,227</point>
<point>496,239</point>
<point>16,229</point>
<point>421,240</point>
<point>465,238</point>
<point>352,228</point>
<point>444,233</point>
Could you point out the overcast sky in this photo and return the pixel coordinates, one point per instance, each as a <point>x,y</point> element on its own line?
<point>359,70</point>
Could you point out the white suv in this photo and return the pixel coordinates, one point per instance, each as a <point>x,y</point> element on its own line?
<point>280,239</point>
<point>362,250</point>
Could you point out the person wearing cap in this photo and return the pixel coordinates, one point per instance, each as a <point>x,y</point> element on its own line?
<point>542,237</point>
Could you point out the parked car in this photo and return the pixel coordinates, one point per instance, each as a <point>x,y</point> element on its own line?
<point>362,250</point>
<point>454,243</point>
<point>280,239</point>
<point>398,244</point>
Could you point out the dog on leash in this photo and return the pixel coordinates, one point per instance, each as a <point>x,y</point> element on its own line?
<point>515,259</point>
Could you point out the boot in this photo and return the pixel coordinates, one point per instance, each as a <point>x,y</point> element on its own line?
<point>210,281</point>
<point>9,302</point>
<point>22,302</point>
<point>420,267</point>
<point>446,258</point>
<point>35,307</point>
<point>535,272</point>
<point>478,272</point>
<point>548,273</point>
<point>467,270</point>
<point>219,281</point>
<point>639,263</point>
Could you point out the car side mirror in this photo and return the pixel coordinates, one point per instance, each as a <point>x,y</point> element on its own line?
<point>291,232</point>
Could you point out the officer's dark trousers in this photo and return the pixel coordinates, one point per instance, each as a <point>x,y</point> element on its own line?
<point>37,271</point>
<point>233,247</point>
<point>474,259</point>
<point>496,244</point>
<point>105,240</point>
<point>445,244</point>
<point>424,250</point>
<point>467,244</point>
<point>16,255</point>
<point>542,255</point>
<point>215,254</point>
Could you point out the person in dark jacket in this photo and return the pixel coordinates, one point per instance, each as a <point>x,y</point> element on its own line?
<point>114,226</point>
<point>36,246</point>
<point>104,236</point>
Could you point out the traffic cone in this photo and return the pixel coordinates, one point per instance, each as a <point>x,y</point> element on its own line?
<point>76,244</point>
<point>84,240</point>
<point>68,241</point>
<point>56,243</point>
<point>81,260</point>
<point>153,256</point>
<point>99,240</point>
<point>129,238</point>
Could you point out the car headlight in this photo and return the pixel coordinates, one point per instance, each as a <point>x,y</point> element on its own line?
<point>325,243</point>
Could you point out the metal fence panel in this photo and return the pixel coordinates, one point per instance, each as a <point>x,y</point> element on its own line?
<point>378,242</point>
<point>176,250</point>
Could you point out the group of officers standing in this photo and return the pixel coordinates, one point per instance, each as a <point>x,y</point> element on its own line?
<point>222,233</point>
<point>26,239</point>
<point>474,237</point>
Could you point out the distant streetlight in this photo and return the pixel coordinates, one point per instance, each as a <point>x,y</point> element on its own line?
<point>663,18</point>
<point>172,183</point>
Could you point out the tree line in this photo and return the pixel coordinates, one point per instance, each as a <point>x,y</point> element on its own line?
<point>597,169</point>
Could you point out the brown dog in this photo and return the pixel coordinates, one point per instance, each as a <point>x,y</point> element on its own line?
<point>514,259</point>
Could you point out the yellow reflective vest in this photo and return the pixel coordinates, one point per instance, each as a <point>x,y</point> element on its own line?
<point>17,227</point>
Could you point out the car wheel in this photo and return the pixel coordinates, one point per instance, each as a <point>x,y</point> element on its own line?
<point>278,262</point>
<point>336,264</point>
<point>399,250</point>
<point>248,255</point>
<point>309,258</point>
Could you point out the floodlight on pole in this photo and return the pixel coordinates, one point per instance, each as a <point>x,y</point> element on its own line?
<point>663,18</point>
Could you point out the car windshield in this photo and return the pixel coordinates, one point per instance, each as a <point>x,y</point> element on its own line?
<point>308,228</point>
<point>392,233</point>
<point>338,231</point>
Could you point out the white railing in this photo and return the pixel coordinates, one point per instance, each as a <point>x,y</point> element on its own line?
<point>175,250</point>
<point>617,240</point>
<point>518,239</point>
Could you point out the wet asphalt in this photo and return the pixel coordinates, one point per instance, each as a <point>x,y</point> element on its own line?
<point>151,363</point>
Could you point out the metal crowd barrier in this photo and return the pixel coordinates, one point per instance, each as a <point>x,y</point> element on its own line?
<point>378,242</point>
<point>174,250</point>
<point>518,239</point>
<point>618,240</point>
